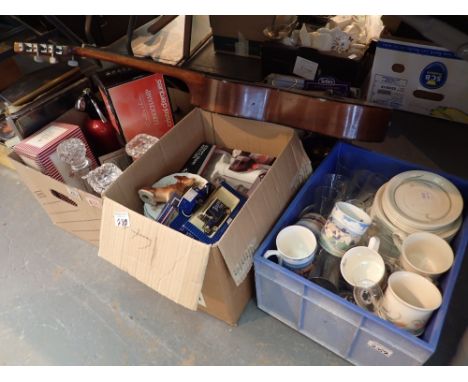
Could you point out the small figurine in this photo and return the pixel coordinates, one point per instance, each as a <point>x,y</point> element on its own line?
<point>163,194</point>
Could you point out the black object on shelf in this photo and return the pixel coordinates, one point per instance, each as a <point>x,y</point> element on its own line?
<point>280,59</point>
<point>46,108</point>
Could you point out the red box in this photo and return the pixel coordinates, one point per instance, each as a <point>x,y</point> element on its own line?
<point>140,105</point>
<point>39,150</point>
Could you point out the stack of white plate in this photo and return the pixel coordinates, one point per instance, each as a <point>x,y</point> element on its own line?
<point>416,201</point>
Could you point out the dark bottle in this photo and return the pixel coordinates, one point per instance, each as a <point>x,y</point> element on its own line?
<point>99,132</point>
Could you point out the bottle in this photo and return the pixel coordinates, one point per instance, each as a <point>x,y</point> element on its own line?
<point>73,152</point>
<point>99,132</point>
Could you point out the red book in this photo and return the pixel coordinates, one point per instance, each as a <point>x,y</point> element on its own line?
<point>141,106</point>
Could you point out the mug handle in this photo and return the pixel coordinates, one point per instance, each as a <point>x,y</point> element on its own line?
<point>398,239</point>
<point>274,252</point>
<point>374,243</point>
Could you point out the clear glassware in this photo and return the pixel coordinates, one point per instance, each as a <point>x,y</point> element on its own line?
<point>325,198</point>
<point>139,145</point>
<point>363,187</point>
<point>73,152</point>
<point>368,295</point>
<point>103,176</point>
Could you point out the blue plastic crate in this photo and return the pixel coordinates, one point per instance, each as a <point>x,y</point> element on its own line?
<point>351,332</point>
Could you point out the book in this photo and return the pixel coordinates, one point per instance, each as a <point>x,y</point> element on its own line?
<point>199,159</point>
<point>136,103</point>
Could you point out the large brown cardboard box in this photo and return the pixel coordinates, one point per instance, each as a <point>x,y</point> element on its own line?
<point>212,278</point>
<point>73,210</point>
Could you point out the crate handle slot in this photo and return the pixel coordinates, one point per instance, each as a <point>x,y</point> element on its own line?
<point>62,197</point>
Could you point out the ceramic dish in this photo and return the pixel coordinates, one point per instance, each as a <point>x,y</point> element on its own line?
<point>151,211</point>
<point>377,213</point>
<point>421,200</point>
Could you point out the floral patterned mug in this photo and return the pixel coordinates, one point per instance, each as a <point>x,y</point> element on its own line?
<point>344,228</point>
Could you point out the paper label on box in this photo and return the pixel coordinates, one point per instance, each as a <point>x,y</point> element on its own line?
<point>380,348</point>
<point>47,136</point>
<point>388,90</point>
<point>305,68</point>
<point>121,219</point>
<point>94,202</point>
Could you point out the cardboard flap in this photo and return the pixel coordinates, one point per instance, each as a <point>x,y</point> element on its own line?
<point>292,167</point>
<point>166,260</point>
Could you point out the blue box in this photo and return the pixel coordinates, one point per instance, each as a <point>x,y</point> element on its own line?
<point>351,332</point>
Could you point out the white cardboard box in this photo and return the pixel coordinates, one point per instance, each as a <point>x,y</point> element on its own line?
<point>419,78</point>
<point>213,278</point>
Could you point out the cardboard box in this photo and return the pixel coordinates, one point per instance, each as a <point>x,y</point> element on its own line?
<point>215,279</point>
<point>419,78</point>
<point>240,35</point>
<point>282,59</point>
<point>73,210</point>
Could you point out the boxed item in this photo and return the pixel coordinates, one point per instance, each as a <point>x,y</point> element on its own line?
<point>290,60</point>
<point>212,278</point>
<point>136,102</point>
<point>75,211</point>
<point>420,78</point>
<point>39,151</point>
<point>335,51</point>
<point>350,331</point>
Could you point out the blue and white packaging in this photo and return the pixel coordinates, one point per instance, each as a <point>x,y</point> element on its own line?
<point>419,78</point>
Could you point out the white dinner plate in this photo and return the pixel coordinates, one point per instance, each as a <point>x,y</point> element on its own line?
<point>421,200</point>
<point>377,213</point>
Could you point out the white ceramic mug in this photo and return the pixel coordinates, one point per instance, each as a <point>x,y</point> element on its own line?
<point>409,301</point>
<point>296,246</point>
<point>424,253</point>
<point>363,266</point>
<point>344,228</point>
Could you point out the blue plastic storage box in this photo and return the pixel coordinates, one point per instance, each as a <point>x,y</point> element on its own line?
<point>351,332</point>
